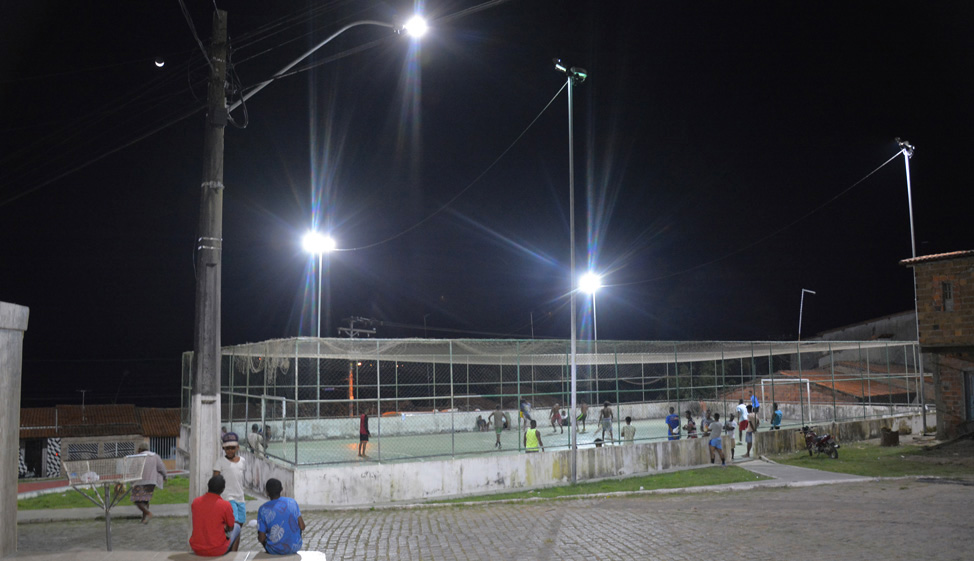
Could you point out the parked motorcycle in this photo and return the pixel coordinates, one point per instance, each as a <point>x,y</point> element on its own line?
<point>824,444</point>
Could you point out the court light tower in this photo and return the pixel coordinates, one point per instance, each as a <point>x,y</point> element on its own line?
<point>907,150</point>
<point>318,244</point>
<point>590,283</point>
<point>205,369</point>
<point>574,76</point>
<point>801,405</point>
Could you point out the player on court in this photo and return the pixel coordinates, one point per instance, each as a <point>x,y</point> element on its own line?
<point>605,419</point>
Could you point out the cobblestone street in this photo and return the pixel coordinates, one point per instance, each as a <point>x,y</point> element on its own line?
<point>893,520</point>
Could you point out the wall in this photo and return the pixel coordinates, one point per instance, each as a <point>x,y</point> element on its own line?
<point>363,484</point>
<point>790,440</point>
<point>938,326</point>
<point>949,366</point>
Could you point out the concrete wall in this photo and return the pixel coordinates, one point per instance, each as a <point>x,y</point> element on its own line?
<point>363,484</point>
<point>13,325</point>
<point>790,440</point>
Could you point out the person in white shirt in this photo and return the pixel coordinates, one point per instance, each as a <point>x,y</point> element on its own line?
<point>231,467</point>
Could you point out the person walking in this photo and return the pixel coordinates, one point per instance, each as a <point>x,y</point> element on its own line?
<point>716,443</point>
<point>605,420</point>
<point>153,477</point>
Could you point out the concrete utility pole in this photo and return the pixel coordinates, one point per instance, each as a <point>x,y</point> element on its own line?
<point>205,407</point>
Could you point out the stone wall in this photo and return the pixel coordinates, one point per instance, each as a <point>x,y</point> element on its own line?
<point>791,440</point>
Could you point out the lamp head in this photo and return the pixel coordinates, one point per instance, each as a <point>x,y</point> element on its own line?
<point>317,244</point>
<point>416,27</point>
<point>590,282</point>
<point>576,74</point>
<point>905,146</point>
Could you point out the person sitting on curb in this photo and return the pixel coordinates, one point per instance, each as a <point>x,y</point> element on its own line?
<point>279,522</point>
<point>212,520</point>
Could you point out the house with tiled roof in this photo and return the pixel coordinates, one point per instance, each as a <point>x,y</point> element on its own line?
<point>49,435</point>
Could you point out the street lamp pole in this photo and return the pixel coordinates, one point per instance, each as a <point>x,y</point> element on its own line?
<point>801,404</point>
<point>574,75</point>
<point>907,150</point>
<point>591,283</point>
<point>205,406</point>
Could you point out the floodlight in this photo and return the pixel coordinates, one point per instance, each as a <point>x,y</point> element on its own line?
<point>316,243</point>
<point>416,27</point>
<point>590,282</point>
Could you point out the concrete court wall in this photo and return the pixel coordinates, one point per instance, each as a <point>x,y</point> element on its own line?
<point>13,325</point>
<point>790,440</point>
<point>364,484</point>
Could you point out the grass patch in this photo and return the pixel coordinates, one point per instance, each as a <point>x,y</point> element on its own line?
<point>673,480</point>
<point>871,460</point>
<point>176,491</point>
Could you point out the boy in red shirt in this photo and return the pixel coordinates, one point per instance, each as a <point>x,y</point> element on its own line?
<point>212,519</point>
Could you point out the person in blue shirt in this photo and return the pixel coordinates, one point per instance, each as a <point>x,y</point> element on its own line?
<point>279,522</point>
<point>776,418</point>
<point>673,425</point>
<point>755,405</point>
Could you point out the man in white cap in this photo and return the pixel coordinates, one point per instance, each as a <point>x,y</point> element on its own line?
<point>231,467</point>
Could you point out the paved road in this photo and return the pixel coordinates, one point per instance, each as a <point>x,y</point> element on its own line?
<point>890,520</point>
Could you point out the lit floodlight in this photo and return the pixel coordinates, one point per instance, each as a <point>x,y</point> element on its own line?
<point>905,146</point>
<point>416,27</point>
<point>316,243</point>
<point>590,282</point>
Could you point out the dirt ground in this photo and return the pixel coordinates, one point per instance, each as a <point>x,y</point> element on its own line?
<point>953,452</point>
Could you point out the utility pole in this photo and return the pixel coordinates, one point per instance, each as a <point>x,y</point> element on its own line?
<point>205,407</point>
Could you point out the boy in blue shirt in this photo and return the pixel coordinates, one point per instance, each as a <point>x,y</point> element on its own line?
<point>673,425</point>
<point>279,522</point>
<point>776,418</point>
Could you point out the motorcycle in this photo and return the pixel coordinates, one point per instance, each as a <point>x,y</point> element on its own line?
<point>824,444</point>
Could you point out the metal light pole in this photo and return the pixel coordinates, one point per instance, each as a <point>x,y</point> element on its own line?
<point>205,406</point>
<point>319,245</point>
<point>591,283</point>
<point>574,75</point>
<point>801,306</point>
<point>907,150</point>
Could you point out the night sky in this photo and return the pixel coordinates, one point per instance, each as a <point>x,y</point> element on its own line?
<point>721,150</point>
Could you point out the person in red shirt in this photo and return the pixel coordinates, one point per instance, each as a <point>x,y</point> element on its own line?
<point>212,519</point>
<point>363,434</point>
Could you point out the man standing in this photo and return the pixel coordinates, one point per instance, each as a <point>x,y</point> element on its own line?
<point>279,522</point>
<point>755,404</point>
<point>673,425</point>
<point>256,441</point>
<point>776,418</point>
<point>497,417</point>
<point>532,438</point>
<point>555,417</point>
<point>742,419</point>
<point>363,434</point>
<point>231,467</point>
<point>752,427</point>
<point>605,419</point>
<point>212,519</point>
<point>716,445</point>
<point>153,476</point>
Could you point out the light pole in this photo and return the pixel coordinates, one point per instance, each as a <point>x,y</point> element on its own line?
<point>907,150</point>
<point>801,306</point>
<point>801,404</point>
<point>590,283</point>
<point>205,378</point>
<point>574,75</point>
<point>318,244</point>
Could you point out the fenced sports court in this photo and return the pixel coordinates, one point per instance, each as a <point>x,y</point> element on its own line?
<point>424,397</point>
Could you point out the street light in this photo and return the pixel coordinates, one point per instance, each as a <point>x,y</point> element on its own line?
<point>318,244</point>
<point>801,405</point>
<point>907,150</point>
<point>801,306</point>
<point>573,75</point>
<point>205,407</point>
<point>590,283</point>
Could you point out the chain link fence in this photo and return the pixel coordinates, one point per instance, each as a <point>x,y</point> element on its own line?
<point>431,398</point>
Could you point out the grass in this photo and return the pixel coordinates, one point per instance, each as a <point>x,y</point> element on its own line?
<point>673,480</point>
<point>871,460</point>
<point>176,491</point>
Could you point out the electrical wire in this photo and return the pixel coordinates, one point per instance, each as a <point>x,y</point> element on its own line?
<point>764,238</point>
<point>470,185</point>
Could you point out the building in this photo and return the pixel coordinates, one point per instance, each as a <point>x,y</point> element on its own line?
<point>945,313</point>
<point>73,432</point>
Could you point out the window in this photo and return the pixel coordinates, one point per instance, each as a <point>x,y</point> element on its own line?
<point>947,291</point>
